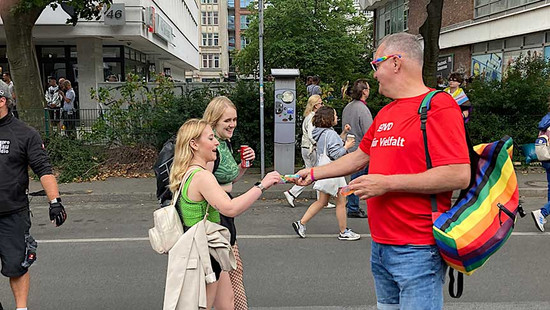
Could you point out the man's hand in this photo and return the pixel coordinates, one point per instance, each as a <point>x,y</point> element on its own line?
<point>370,185</point>
<point>57,213</point>
<point>305,178</point>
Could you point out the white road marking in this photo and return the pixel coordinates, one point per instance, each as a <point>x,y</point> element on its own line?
<point>91,240</point>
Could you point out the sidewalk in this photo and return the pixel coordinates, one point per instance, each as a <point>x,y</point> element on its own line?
<point>532,184</point>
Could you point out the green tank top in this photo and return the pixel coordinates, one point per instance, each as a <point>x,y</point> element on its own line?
<point>194,211</point>
<point>228,169</point>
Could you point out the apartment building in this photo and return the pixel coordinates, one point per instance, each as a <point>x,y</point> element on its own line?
<point>477,36</point>
<point>133,36</point>
<point>222,22</point>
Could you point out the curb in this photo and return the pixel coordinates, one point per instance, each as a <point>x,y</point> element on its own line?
<point>79,196</point>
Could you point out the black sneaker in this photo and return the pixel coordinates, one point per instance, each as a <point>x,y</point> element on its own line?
<point>359,214</point>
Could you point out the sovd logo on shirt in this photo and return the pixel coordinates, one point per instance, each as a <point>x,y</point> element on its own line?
<point>385,127</point>
<point>4,147</point>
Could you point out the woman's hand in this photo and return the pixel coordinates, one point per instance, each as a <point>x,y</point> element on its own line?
<point>248,154</point>
<point>271,179</point>
<point>349,144</point>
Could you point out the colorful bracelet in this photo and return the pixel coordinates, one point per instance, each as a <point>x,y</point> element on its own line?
<point>311,174</point>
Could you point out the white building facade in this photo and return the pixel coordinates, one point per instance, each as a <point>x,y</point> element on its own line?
<point>134,36</point>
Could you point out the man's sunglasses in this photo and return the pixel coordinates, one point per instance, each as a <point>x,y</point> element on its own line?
<point>374,63</point>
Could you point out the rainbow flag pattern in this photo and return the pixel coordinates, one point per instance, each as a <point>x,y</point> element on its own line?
<point>480,222</point>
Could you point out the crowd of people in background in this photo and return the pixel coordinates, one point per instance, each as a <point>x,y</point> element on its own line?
<point>60,103</point>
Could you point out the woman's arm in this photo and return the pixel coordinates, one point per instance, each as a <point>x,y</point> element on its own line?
<point>205,184</point>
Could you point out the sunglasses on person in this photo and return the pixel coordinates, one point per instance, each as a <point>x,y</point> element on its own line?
<point>375,63</point>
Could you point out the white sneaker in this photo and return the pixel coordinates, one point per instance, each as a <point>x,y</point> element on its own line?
<point>330,206</point>
<point>348,235</point>
<point>539,219</point>
<point>289,198</point>
<point>299,228</point>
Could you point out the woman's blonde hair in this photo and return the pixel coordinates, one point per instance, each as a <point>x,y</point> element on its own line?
<point>216,107</point>
<point>183,155</point>
<point>311,102</point>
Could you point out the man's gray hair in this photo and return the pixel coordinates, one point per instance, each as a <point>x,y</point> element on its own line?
<point>403,43</point>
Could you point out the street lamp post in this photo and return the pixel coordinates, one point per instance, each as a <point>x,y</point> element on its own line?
<point>261,43</point>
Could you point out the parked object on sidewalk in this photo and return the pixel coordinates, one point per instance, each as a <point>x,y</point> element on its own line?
<point>484,214</point>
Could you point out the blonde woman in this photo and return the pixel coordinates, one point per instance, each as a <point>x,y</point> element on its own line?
<point>221,114</point>
<point>196,146</point>
<point>308,146</point>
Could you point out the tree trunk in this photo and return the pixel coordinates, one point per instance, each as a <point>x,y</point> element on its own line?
<point>430,32</point>
<point>23,62</point>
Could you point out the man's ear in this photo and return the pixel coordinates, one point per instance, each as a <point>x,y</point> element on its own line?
<point>396,64</point>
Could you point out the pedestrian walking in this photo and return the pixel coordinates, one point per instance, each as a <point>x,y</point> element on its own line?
<point>330,144</point>
<point>21,147</point>
<point>221,114</point>
<point>196,146</point>
<point>308,147</point>
<point>406,265</point>
<point>314,88</point>
<point>6,77</point>
<point>540,215</point>
<point>455,81</point>
<point>358,116</point>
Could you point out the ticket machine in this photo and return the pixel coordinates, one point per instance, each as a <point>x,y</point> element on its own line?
<point>285,119</point>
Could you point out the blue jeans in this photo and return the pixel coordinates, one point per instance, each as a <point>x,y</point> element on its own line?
<point>353,201</point>
<point>408,277</point>
<point>546,209</point>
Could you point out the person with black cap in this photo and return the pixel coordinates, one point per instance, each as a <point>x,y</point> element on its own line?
<point>21,147</point>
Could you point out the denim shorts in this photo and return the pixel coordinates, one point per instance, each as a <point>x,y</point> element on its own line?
<point>408,277</point>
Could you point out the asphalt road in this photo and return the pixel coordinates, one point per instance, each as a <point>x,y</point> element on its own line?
<point>101,259</point>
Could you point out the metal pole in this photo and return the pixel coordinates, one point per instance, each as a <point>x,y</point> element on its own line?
<point>261,42</point>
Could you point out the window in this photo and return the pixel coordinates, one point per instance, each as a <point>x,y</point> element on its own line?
<point>209,1</point>
<point>209,18</point>
<point>244,42</point>
<point>392,18</point>
<point>244,21</point>
<point>488,7</point>
<point>204,18</point>
<point>245,3</point>
<point>210,60</point>
<point>215,18</point>
<point>210,39</point>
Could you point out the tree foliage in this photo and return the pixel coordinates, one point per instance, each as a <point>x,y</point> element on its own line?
<point>19,18</point>
<point>325,38</point>
<point>512,106</point>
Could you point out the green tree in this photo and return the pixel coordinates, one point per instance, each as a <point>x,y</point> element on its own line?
<point>325,38</point>
<point>19,18</point>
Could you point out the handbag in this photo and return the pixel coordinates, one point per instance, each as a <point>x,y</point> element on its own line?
<point>328,186</point>
<point>168,226</point>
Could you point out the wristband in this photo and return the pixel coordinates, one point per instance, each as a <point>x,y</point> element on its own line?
<point>311,174</point>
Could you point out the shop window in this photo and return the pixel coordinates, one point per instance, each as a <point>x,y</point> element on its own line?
<point>480,48</point>
<point>111,51</point>
<point>495,45</point>
<point>53,52</point>
<point>513,43</point>
<point>534,39</point>
<point>112,69</point>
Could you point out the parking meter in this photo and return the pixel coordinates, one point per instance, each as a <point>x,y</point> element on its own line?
<point>285,119</point>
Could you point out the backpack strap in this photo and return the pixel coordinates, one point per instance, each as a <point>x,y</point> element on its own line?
<point>423,111</point>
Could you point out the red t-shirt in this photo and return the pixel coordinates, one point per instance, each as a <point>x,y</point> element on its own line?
<point>395,145</point>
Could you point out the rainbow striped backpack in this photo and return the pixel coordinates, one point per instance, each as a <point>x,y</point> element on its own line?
<point>483,216</point>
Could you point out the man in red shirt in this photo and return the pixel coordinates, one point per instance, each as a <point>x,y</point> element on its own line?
<point>407,268</point>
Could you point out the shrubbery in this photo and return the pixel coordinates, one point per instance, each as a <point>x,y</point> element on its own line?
<point>147,118</point>
<point>512,106</point>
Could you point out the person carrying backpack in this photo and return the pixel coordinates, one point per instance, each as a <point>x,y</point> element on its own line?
<point>407,267</point>
<point>539,216</point>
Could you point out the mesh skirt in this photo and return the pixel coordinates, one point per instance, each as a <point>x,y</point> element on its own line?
<point>236,277</point>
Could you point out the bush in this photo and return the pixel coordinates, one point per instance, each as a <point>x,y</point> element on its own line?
<point>73,160</point>
<point>512,106</point>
